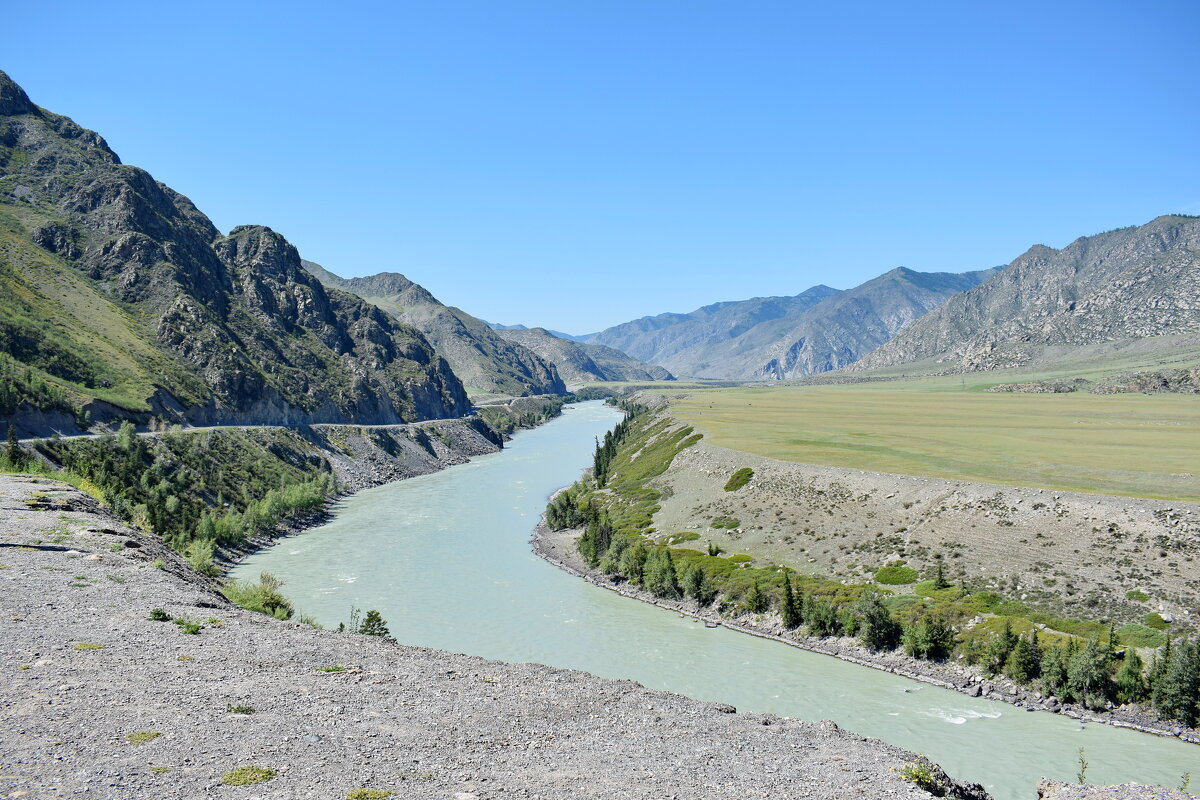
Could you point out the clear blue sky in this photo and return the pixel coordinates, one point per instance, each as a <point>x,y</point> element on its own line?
<point>576,164</point>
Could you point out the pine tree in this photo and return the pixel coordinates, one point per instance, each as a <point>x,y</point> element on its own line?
<point>12,450</point>
<point>658,575</point>
<point>999,649</point>
<point>1054,671</point>
<point>821,618</point>
<point>876,628</point>
<point>1087,672</point>
<point>374,625</point>
<point>939,576</point>
<point>1177,693</point>
<point>1024,663</point>
<point>1131,685</point>
<point>788,612</point>
<point>756,599</point>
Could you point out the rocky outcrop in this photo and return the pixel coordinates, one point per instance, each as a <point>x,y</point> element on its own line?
<point>1132,283</point>
<point>119,286</point>
<point>583,362</point>
<point>483,360</point>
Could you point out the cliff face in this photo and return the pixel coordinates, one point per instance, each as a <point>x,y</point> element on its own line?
<point>121,297</point>
<point>578,361</point>
<point>482,359</point>
<point>1132,283</point>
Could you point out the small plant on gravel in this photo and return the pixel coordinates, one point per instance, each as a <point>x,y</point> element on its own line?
<point>188,625</point>
<point>739,479</point>
<point>5,566</point>
<point>185,658</point>
<point>369,794</point>
<point>23,667</point>
<point>159,615</point>
<point>116,578</point>
<point>332,668</point>
<point>141,737</point>
<point>921,772</point>
<point>232,709</point>
<point>159,770</point>
<point>88,646</point>
<point>247,775</point>
<point>216,623</point>
<point>1083,767</point>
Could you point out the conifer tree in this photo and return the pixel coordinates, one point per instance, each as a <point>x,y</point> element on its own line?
<point>1131,685</point>
<point>876,628</point>
<point>756,599</point>
<point>374,625</point>
<point>788,611</point>
<point>12,450</point>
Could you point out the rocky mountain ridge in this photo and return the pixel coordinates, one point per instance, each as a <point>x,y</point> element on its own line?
<point>120,299</point>
<point>580,362</point>
<point>1131,283</point>
<point>482,358</point>
<point>779,338</point>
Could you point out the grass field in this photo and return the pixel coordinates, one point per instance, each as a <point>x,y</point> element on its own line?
<point>948,427</point>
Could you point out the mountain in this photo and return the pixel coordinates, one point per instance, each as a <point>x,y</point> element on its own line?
<point>119,299</point>
<point>780,338</point>
<point>496,326</point>
<point>841,329</point>
<point>484,361</point>
<point>660,339</point>
<point>1132,283</point>
<point>578,362</point>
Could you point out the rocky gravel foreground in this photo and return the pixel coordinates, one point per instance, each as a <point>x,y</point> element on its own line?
<point>100,701</point>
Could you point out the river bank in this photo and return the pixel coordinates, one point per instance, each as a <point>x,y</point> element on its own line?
<point>104,702</point>
<point>365,456</point>
<point>558,548</point>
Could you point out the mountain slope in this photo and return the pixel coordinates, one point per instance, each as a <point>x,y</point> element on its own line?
<point>659,339</point>
<point>120,299</point>
<point>496,326</point>
<point>482,359</point>
<point>1125,284</point>
<point>841,329</point>
<point>585,362</point>
<point>789,337</point>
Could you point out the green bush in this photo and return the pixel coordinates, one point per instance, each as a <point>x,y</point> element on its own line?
<point>1137,595</point>
<point>739,479</point>
<point>1154,620</point>
<point>896,576</point>
<point>263,597</point>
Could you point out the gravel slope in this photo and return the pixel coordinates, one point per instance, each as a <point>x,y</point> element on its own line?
<point>417,722</point>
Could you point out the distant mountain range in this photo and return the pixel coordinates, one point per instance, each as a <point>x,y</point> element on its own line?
<point>568,336</point>
<point>582,362</point>
<point>1134,283</point>
<point>778,338</point>
<point>484,360</point>
<point>119,299</point>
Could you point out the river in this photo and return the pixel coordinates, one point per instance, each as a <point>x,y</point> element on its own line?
<point>446,560</point>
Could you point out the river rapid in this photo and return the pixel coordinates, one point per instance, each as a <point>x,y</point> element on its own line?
<point>446,560</point>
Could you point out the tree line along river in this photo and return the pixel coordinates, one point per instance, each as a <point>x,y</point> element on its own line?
<point>446,559</point>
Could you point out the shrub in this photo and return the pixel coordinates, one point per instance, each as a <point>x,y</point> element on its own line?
<point>141,737</point>
<point>247,710</point>
<point>188,625</point>
<point>159,615</point>
<point>369,794</point>
<point>263,597</point>
<point>1137,595</point>
<point>896,576</point>
<point>247,775</point>
<point>739,479</point>
<point>1154,620</point>
<point>921,772</point>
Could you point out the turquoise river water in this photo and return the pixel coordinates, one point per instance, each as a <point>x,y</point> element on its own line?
<point>446,559</point>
